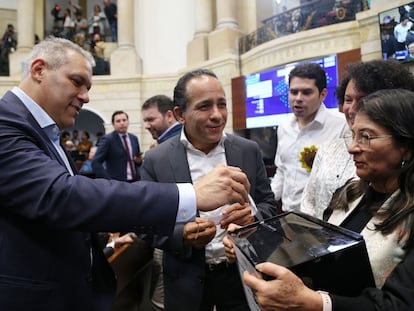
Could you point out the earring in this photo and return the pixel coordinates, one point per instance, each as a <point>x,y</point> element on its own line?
<point>402,163</point>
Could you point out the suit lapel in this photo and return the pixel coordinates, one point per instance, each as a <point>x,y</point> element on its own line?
<point>117,139</point>
<point>134,145</point>
<point>47,144</point>
<point>42,139</point>
<point>233,152</point>
<point>179,162</point>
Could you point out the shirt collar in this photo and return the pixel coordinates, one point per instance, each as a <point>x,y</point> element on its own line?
<point>320,116</point>
<point>188,145</point>
<point>168,130</point>
<point>40,115</point>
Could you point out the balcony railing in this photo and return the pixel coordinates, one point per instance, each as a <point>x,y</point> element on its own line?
<point>314,14</point>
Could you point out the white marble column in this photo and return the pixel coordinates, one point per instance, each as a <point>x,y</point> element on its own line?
<point>124,59</point>
<point>25,35</point>
<point>226,14</point>
<point>224,40</point>
<point>197,49</point>
<point>203,17</point>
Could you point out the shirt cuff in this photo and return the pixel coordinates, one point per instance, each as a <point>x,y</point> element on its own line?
<point>252,206</point>
<point>326,299</point>
<point>187,203</point>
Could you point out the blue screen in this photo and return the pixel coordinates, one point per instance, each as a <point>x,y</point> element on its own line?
<point>267,92</point>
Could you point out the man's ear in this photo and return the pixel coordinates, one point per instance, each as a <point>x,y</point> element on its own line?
<point>179,114</point>
<point>37,69</point>
<point>170,115</point>
<point>323,94</point>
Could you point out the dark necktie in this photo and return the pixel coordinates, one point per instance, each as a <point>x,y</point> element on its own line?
<point>130,163</point>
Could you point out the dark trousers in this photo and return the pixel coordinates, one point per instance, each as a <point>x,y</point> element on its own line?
<point>223,288</point>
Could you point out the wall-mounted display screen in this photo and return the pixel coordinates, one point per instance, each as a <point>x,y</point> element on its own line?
<point>397,33</point>
<point>267,92</point>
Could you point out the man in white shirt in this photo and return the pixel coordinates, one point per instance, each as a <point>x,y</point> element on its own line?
<point>310,125</point>
<point>401,31</point>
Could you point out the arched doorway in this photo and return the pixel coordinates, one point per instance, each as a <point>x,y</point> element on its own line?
<point>90,122</point>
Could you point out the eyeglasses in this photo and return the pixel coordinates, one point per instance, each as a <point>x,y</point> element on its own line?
<point>363,139</point>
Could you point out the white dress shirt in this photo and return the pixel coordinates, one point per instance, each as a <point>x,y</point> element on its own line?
<point>401,31</point>
<point>200,164</point>
<point>130,175</point>
<point>291,178</point>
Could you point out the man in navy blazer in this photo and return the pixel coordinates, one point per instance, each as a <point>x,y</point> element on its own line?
<point>196,274</point>
<point>49,259</point>
<point>112,160</point>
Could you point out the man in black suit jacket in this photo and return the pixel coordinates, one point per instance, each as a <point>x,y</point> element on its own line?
<point>49,260</point>
<point>196,274</point>
<point>112,160</point>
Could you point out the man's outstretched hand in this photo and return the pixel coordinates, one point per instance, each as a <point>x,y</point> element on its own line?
<point>223,185</point>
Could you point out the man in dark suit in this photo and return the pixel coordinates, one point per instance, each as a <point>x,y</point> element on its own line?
<point>118,155</point>
<point>48,259</point>
<point>196,273</point>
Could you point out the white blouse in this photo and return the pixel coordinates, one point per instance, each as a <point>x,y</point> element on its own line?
<point>332,168</point>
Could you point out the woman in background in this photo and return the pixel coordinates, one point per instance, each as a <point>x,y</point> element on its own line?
<point>84,146</point>
<point>97,22</point>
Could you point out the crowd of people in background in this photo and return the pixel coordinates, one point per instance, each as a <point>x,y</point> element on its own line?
<point>397,34</point>
<point>90,32</point>
<point>73,23</point>
<point>308,15</point>
<point>79,149</point>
